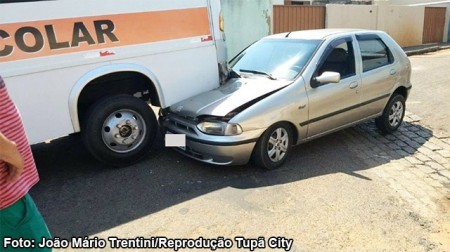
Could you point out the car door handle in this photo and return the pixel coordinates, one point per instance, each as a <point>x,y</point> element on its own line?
<point>353,85</point>
<point>393,71</point>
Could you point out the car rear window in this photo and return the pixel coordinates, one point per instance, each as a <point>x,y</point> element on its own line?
<point>374,52</point>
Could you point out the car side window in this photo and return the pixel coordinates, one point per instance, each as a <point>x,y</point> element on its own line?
<point>374,52</point>
<point>339,58</point>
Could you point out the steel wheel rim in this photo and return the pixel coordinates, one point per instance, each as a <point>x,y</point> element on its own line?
<point>395,114</point>
<point>123,131</point>
<point>278,145</point>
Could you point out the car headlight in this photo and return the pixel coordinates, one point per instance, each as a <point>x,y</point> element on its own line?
<point>220,128</point>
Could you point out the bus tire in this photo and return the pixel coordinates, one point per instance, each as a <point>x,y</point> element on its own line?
<point>119,130</point>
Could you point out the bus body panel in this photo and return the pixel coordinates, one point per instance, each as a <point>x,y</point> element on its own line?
<point>58,47</point>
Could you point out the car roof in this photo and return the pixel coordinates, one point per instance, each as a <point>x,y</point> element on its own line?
<point>319,34</point>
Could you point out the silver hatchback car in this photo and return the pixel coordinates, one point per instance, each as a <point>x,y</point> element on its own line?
<point>289,88</point>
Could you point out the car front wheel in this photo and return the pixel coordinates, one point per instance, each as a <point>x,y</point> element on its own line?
<point>273,146</point>
<point>393,114</point>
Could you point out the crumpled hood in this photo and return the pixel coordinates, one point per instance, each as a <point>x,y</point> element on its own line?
<point>226,98</point>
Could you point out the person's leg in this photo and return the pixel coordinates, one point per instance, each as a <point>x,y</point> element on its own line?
<point>23,220</point>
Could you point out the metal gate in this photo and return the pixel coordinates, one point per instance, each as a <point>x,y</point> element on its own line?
<point>288,18</point>
<point>433,25</point>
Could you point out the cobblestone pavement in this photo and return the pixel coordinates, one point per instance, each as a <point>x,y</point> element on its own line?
<point>415,162</point>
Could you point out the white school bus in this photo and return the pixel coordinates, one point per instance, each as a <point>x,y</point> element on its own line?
<point>94,66</point>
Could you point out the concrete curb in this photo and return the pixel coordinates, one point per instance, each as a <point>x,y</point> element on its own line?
<point>427,48</point>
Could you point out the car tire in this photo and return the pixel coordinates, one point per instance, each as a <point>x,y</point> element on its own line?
<point>273,147</point>
<point>119,130</point>
<point>393,114</point>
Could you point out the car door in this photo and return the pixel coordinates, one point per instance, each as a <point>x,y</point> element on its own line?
<point>332,105</point>
<point>379,73</point>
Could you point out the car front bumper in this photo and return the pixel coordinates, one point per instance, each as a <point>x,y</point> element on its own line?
<point>218,150</point>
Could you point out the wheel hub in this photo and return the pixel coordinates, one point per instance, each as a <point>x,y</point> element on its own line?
<point>123,131</point>
<point>395,114</point>
<point>278,145</point>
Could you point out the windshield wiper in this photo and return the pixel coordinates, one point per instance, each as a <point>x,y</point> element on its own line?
<point>258,72</point>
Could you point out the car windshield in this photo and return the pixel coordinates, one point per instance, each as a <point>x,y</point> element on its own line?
<point>275,58</point>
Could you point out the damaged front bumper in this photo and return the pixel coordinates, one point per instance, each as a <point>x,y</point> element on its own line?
<point>218,150</point>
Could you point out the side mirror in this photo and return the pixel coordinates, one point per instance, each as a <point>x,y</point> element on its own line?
<point>326,77</point>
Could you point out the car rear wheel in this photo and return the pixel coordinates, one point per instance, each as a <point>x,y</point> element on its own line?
<point>393,114</point>
<point>119,130</point>
<point>273,147</point>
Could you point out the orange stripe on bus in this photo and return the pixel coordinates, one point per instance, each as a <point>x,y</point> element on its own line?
<point>54,37</point>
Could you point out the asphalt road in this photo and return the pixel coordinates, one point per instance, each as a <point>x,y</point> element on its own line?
<point>430,95</point>
<point>325,197</point>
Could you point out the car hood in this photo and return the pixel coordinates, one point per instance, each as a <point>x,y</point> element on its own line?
<point>226,98</point>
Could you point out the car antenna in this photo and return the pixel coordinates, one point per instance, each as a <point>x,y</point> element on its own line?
<point>287,35</point>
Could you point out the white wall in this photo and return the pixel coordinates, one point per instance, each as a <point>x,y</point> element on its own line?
<point>409,2</point>
<point>246,21</point>
<point>351,16</point>
<point>430,3</point>
<point>403,23</point>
